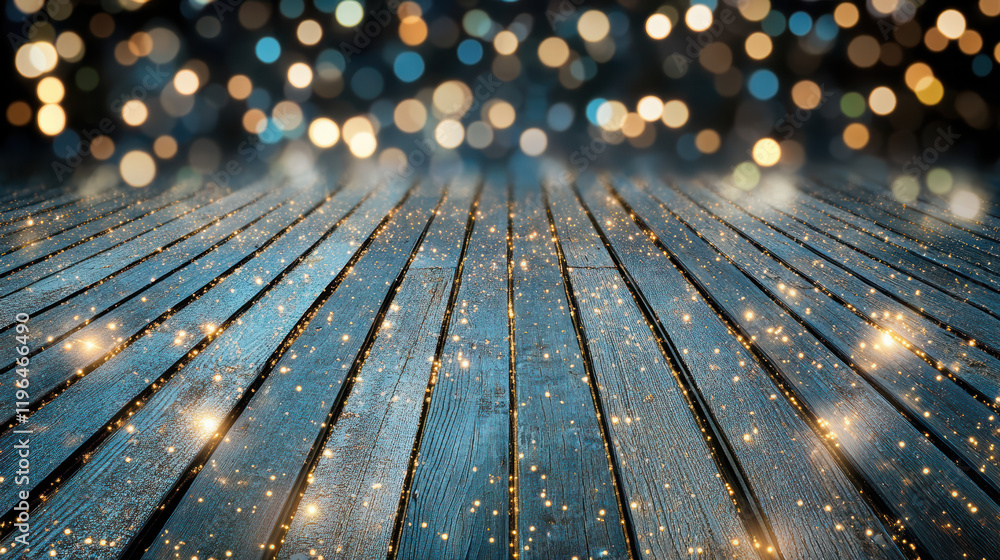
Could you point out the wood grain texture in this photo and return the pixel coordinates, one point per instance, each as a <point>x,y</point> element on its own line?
<point>924,230</point>
<point>671,486</point>
<point>965,232</point>
<point>170,311</point>
<point>892,241</point>
<point>58,220</point>
<point>192,408</point>
<point>983,225</point>
<point>564,479</point>
<point>17,257</point>
<point>350,506</point>
<point>969,283</point>
<point>678,503</point>
<point>811,505</point>
<point>957,419</point>
<point>866,427</point>
<point>240,496</point>
<point>136,368</point>
<point>952,283</point>
<point>458,503</point>
<point>18,195</point>
<point>582,246</point>
<point>941,346</point>
<point>112,249</point>
<point>341,514</point>
<point>259,221</point>
<point>925,298</point>
<point>19,212</point>
<point>443,245</point>
<point>510,363</point>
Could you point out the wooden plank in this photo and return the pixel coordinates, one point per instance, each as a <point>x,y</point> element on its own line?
<point>23,269</point>
<point>69,200</point>
<point>18,197</point>
<point>74,269</point>
<point>113,331</point>
<point>342,513</point>
<point>880,446</point>
<point>983,225</point>
<point>677,501</point>
<point>877,176</point>
<point>892,223</point>
<point>18,256</point>
<point>50,222</point>
<point>168,313</point>
<point>956,412</point>
<point>580,243</point>
<point>929,229</point>
<point>47,203</point>
<point>904,262</point>
<point>564,478</point>
<point>990,210</point>
<point>350,506</point>
<point>458,503</point>
<point>881,235</point>
<point>238,501</point>
<point>41,295</point>
<point>159,349</point>
<point>814,510</point>
<point>974,232</point>
<point>179,421</point>
<point>676,498</point>
<point>61,317</point>
<point>925,298</point>
<point>445,240</point>
<point>941,346</point>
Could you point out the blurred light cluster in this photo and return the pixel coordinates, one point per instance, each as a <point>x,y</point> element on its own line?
<point>742,85</point>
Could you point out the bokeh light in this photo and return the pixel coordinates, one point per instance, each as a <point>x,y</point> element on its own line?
<point>966,204</point>
<point>134,112</point>
<point>766,152</point>
<point>650,108</point>
<point>553,52</point>
<point>51,119</point>
<point>658,26</point>
<point>905,189</point>
<point>186,82</point>
<point>268,49</point>
<point>856,136</point>
<point>704,78</point>
<point>300,75</point>
<point>449,133</point>
<point>675,113</point>
<point>882,100</point>
<point>165,147</point>
<point>410,115</point>
<point>533,141</point>
<point>349,13</point>
<point>34,59</point>
<point>593,26</point>
<point>19,113</point>
<point>951,24</point>
<point>137,168</point>
<point>323,132</point>
<point>698,17</point>
<point>50,90</point>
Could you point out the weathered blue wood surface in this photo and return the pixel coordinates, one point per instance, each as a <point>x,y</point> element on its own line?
<point>771,449</point>
<point>625,366</point>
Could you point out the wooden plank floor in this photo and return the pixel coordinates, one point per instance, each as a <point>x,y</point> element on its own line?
<point>628,366</point>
